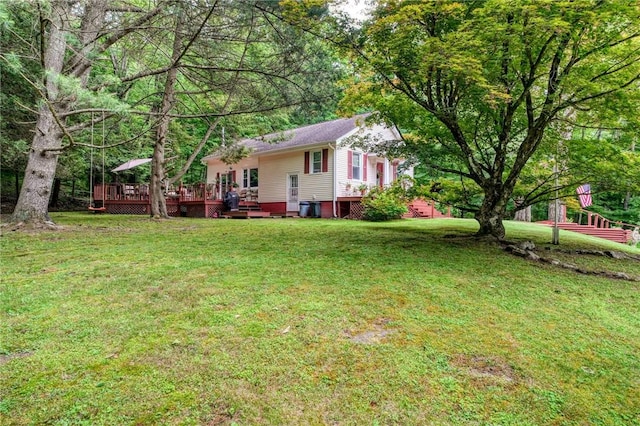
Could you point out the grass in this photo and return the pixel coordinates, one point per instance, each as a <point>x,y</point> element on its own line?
<point>122,320</point>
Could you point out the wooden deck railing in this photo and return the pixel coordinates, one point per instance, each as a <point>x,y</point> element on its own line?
<point>598,226</point>
<point>198,192</point>
<point>598,221</point>
<point>121,191</point>
<point>140,192</point>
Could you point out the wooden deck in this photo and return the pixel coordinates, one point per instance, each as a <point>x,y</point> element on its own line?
<point>200,201</point>
<point>422,209</point>
<point>617,235</point>
<point>193,201</point>
<point>349,207</point>
<point>596,226</point>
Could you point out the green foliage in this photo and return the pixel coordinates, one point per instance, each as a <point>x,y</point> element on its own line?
<point>72,88</point>
<point>16,97</point>
<point>384,204</point>
<point>381,205</point>
<point>616,206</point>
<point>483,90</point>
<point>232,154</point>
<point>256,76</point>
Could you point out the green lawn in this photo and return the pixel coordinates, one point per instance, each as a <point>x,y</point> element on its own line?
<point>121,320</point>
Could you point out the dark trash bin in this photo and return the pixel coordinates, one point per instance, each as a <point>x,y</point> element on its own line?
<point>314,206</point>
<point>304,209</point>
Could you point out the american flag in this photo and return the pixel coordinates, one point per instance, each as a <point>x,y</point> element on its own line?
<point>584,194</point>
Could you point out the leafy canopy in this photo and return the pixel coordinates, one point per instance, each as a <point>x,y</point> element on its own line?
<point>476,87</point>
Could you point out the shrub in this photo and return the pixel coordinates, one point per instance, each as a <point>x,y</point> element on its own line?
<point>382,205</point>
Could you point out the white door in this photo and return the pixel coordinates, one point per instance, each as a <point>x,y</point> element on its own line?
<point>292,192</point>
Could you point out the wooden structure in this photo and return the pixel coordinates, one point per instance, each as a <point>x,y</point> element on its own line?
<point>187,201</point>
<point>424,209</point>
<point>351,208</point>
<point>596,226</point>
<point>201,201</point>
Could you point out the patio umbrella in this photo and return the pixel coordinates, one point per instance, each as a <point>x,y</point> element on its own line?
<point>131,164</point>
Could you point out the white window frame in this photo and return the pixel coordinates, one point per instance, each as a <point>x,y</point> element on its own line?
<point>246,177</point>
<point>313,162</point>
<point>356,170</point>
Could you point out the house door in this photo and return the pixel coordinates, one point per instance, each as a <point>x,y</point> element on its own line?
<point>380,174</point>
<point>292,192</point>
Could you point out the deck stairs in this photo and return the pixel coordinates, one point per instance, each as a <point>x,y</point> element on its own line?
<point>617,235</point>
<point>424,209</point>
<point>247,210</point>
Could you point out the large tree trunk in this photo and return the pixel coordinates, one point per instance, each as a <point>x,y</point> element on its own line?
<point>33,202</point>
<point>158,202</point>
<point>492,213</point>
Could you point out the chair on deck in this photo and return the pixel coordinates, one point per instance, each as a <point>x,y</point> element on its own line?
<point>129,191</point>
<point>144,191</point>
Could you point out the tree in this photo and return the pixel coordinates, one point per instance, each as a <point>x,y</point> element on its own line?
<point>72,37</point>
<point>232,61</point>
<point>173,70</point>
<point>475,87</point>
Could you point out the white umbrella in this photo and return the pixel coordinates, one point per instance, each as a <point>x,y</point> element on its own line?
<point>131,164</point>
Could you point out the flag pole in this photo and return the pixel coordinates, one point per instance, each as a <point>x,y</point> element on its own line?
<point>555,238</point>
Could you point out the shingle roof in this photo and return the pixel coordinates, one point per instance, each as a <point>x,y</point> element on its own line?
<point>328,131</point>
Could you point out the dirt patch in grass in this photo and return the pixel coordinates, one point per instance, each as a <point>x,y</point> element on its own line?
<point>373,335</point>
<point>32,226</point>
<point>220,414</point>
<point>485,368</point>
<point>5,358</point>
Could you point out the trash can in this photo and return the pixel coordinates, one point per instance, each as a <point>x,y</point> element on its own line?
<point>304,209</point>
<point>315,208</point>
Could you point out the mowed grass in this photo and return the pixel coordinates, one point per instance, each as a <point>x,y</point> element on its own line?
<point>121,320</point>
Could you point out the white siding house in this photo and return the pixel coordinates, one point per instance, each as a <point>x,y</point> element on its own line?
<point>313,163</point>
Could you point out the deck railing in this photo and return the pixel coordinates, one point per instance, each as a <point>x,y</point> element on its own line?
<point>140,192</point>
<point>598,221</point>
<point>121,191</point>
<point>197,192</point>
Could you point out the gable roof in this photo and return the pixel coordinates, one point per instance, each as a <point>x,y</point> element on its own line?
<point>314,134</point>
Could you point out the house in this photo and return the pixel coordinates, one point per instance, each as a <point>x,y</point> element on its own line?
<point>314,164</point>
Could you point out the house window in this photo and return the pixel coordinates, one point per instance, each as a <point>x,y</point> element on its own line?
<point>316,162</point>
<point>250,178</point>
<point>356,165</point>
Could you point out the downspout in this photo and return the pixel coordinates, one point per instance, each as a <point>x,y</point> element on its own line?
<point>334,198</point>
